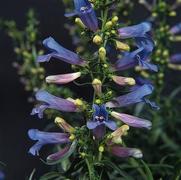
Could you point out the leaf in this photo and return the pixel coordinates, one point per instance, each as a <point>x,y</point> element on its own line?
<point>114,167</point>
<point>148,171</point>
<point>50,176</point>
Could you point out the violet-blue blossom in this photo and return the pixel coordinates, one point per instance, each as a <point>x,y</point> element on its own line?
<point>100,120</point>
<point>131,59</point>
<point>84,10</point>
<point>44,138</point>
<point>138,30</point>
<point>133,97</point>
<point>59,52</point>
<point>175,59</point>
<point>50,101</point>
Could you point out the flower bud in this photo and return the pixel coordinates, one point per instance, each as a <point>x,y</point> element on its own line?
<point>102,53</point>
<point>97,85</point>
<point>114,19</point>
<point>108,25</point>
<point>122,46</point>
<point>79,23</point>
<point>124,80</point>
<point>97,39</point>
<point>64,125</point>
<point>117,134</point>
<point>72,137</point>
<point>101,149</point>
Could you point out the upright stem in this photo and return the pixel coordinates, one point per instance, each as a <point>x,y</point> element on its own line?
<point>90,169</point>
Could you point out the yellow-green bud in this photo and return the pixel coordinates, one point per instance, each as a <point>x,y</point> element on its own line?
<point>64,125</point>
<point>79,23</point>
<point>114,19</point>
<point>172,13</point>
<point>72,137</point>
<point>102,53</point>
<point>98,101</point>
<point>109,25</point>
<point>97,39</point>
<point>97,85</point>
<point>122,46</point>
<point>101,149</point>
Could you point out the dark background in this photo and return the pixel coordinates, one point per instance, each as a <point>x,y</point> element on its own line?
<point>15,117</point>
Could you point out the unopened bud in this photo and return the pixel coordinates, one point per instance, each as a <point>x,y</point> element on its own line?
<point>79,23</point>
<point>114,19</point>
<point>124,80</point>
<point>72,137</point>
<point>109,25</point>
<point>97,85</point>
<point>102,53</point>
<point>117,134</point>
<point>97,39</point>
<point>101,149</point>
<point>122,46</point>
<point>64,125</point>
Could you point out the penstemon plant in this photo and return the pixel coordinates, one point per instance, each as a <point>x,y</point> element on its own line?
<point>87,145</point>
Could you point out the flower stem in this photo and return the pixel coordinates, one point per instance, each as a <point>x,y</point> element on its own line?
<point>90,169</point>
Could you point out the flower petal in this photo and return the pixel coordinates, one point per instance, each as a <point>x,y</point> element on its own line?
<point>176,58</point>
<point>92,124</point>
<point>52,102</point>
<point>44,138</point>
<point>110,124</point>
<point>63,78</point>
<point>132,120</point>
<point>99,131</point>
<point>126,152</point>
<point>132,97</point>
<point>59,52</point>
<point>176,29</point>
<point>135,30</point>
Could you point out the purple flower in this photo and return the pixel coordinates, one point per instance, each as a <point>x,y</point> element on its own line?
<point>176,58</point>
<point>176,29</point>
<point>52,102</point>
<point>125,152</point>
<point>100,120</point>
<point>44,138</point>
<point>134,31</point>
<point>136,96</point>
<point>59,52</point>
<point>131,59</point>
<point>86,13</point>
<point>132,120</point>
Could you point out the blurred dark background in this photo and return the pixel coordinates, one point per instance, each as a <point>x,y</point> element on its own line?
<point>15,117</point>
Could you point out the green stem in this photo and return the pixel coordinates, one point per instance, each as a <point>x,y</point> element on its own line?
<point>90,169</point>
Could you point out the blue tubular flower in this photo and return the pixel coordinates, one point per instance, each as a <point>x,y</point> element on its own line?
<point>136,96</point>
<point>131,59</point>
<point>59,52</point>
<point>44,138</point>
<point>176,29</point>
<point>134,31</point>
<point>176,58</point>
<point>125,152</point>
<point>86,13</point>
<point>52,102</point>
<point>100,120</point>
